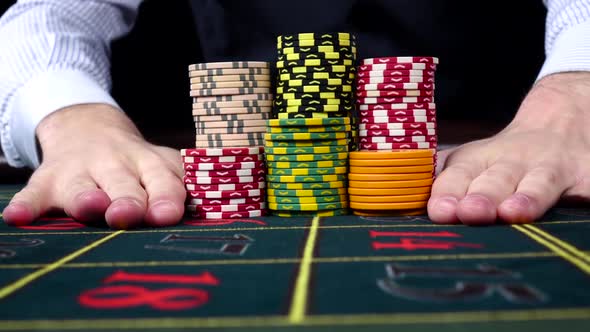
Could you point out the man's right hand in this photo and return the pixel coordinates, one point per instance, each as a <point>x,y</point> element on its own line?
<point>96,165</point>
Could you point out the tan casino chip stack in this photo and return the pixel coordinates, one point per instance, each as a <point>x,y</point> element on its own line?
<point>225,171</point>
<point>307,143</point>
<point>393,171</point>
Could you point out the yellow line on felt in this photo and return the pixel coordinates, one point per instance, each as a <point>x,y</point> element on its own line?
<point>22,282</point>
<point>430,318</point>
<point>300,293</point>
<point>572,249</point>
<point>556,249</point>
<point>276,261</point>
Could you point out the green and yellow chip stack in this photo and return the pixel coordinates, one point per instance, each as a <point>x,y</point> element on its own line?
<point>307,143</point>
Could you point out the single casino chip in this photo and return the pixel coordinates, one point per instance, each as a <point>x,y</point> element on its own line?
<point>224,187</point>
<point>230,130</point>
<point>314,35</point>
<point>303,164</point>
<point>307,171</point>
<point>390,213</point>
<point>398,169</point>
<point>228,91</point>
<point>236,84</point>
<point>202,120</point>
<point>389,177</point>
<point>231,123</point>
<point>309,122</point>
<point>398,66</point>
<point>190,164</point>
<point>316,69</point>
<point>221,137</point>
<point>321,82</point>
<point>367,166</point>
<point>227,173</point>
<point>232,64</point>
<point>225,201</point>
<point>228,78</point>
<point>395,126</point>
<point>393,100</point>
<point>389,192</point>
<point>396,86</point>
<point>282,103</point>
<point>402,115</point>
<point>316,95</point>
<point>306,200</point>
<point>307,157</point>
<point>397,132</point>
<point>314,76</point>
<point>314,89</point>
<point>188,178</point>
<point>256,96</point>
<point>307,192</point>
<point>397,139</point>
<point>310,129</point>
<point>407,107</point>
<point>226,194</point>
<point>306,150</point>
<point>228,215</point>
<point>226,208</point>
<point>403,72</point>
<point>315,42</point>
<point>390,184</point>
<point>238,71</point>
<point>223,152</point>
<point>306,178</point>
<point>229,143</point>
<point>393,79</point>
<point>303,187</point>
<point>396,93</point>
<point>387,206</point>
<point>393,169</point>
<point>390,199</point>
<point>318,49</point>
<point>396,146</point>
<point>401,154</point>
<point>308,207</point>
<point>300,144</point>
<point>305,136</point>
<point>316,108</point>
<point>235,104</point>
<point>324,56</point>
<point>310,214</point>
<point>225,159</point>
<point>237,113</point>
<point>400,59</point>
<point>314,63</point>
<point>397,119</point>
<point>312,115</point>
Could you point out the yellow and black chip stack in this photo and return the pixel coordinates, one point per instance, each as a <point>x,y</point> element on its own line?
<point>307,144</point>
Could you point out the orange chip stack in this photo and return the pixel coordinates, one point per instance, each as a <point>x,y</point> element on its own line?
<point>382,183</point>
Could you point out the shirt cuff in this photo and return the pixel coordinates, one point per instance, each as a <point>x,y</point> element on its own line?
<point>39,97</point>
<point>571,51</point>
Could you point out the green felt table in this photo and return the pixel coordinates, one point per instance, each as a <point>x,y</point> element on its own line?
<point>311,274</point>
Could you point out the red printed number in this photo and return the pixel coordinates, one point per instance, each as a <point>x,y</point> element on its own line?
<point>414,241</point>
<point>129,296</point>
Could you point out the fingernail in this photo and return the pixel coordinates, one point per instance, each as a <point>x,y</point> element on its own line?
<point>17,214</point>
<point>164,210</point>
<point>446,204</point>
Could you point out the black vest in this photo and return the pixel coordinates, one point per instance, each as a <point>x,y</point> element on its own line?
<point>490,51</point>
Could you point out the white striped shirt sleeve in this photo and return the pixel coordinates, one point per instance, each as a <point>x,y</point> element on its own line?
<point>567,37</point>
<point>55,53</point>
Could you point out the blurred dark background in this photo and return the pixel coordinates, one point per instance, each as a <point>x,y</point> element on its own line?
<point>484,72</point>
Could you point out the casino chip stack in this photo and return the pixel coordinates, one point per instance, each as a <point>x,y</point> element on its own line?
<point>382,183</point>
<point>307,145</point>
<point>225,172</point>
<point>395,97</point>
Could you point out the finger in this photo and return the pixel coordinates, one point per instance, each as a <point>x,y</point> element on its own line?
<point>487,191</point>
<point>32,201</point>
<point>128,198</point>
<point>82,200</point>
<point>538,191</point>
<point>448,188</point>
<point>166,196</point>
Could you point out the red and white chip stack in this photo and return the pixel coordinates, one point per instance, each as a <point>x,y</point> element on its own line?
<point>225,172</point>
<point>395,97</point>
